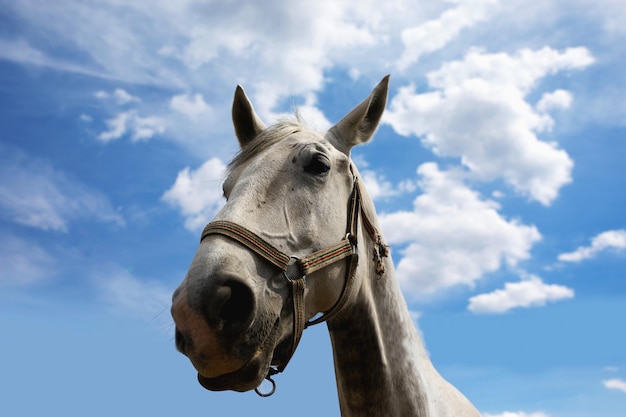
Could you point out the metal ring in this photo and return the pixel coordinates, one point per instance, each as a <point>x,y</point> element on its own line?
<point>293,264</point>
<point>266,394</point>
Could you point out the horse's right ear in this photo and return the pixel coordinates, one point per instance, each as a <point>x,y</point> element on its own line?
<point>247,123</point>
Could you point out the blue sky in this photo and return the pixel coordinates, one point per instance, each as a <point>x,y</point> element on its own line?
<point>498,175</point>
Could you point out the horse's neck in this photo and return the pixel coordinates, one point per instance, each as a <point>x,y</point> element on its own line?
<point>378,355</point>
<point>381,366</point>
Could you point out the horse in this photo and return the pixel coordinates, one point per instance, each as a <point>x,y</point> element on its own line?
<point>297,243</point>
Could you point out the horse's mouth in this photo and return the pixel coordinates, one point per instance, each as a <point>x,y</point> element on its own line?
<point>251,374</point>
<point>244,379</point>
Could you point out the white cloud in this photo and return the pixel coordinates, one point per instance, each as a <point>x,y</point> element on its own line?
<point>184,118</point>
<point>556,100</point>
<point>146,127</point>
<point>128,294</point>
<point>276,49</point>
<point>377,185</point>
<point>119,96</point>
<point>609,240</point>
<point>516,414</point>
<point>109,41</point>
<point>616,384</point>
<point>532,292</point>
<point>117,127</point>
<point>437,33</point>
<point>138,127</point>
<point>175,47</point>
<point>194,107</point>
<point>35,194</point>
<point>123,97</point>
<point>308,113</point>
<point>521,71</point>
<point>478,113</point>
<point>23,262</point>
<point>197,194</point>
<point>21,50</point>
<point>611,15</point>
<point>453,235</point>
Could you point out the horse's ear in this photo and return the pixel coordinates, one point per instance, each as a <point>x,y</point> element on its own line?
<point>247,123</point>
<point>359,125</point>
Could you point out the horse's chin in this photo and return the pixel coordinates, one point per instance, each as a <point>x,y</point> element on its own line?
<point>251,374</point>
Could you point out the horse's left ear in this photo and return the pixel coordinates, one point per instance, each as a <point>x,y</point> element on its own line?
<point>247,123</point>
<point>359,125</point>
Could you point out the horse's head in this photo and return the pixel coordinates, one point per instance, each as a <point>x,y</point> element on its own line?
<point>243,303</point>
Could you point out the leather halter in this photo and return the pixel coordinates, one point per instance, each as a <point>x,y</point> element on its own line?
<point>295,270</point>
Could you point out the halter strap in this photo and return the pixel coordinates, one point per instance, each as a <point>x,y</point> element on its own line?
<point>307,265</point>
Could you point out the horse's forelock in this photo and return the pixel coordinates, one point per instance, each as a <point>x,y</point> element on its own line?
<point>266,139</point>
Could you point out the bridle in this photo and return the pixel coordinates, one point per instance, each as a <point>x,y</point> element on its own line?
<point>295,270</point>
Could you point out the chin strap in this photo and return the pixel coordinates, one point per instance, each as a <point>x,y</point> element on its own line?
<point>295,270</point>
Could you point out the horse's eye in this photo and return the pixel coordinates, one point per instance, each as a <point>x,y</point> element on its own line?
<point>318,165</point>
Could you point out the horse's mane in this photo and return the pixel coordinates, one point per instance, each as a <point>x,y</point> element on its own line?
<point>266,139</point>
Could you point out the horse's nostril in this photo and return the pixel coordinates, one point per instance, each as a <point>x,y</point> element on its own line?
<point>181,341</point>
<point>237,305</point>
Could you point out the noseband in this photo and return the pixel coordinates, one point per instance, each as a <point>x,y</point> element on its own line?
<point>295,270</point>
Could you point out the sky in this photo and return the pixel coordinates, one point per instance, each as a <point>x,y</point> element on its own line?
<point>497,172</point>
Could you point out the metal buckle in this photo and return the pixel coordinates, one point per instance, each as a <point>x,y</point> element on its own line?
<point>353,241</point>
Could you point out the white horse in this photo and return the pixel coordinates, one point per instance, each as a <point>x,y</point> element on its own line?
<point>297,237</point>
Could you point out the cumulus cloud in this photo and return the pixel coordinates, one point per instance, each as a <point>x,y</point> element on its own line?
<point>197,194</point>
<point>380,188</point>
<point>117,127</point>
<point>605,241</point>
<point>616,384</point>
<point>131,123</point>
<point>558,99</point>
<point>176,47</point>
<point>532,292</point>
<point>34,193</point>
<point>276,49</point>
<point>437,33</point>
<point>516,414</point>
<point>128,122</point>
<point>478,112</point>
<point>452,235</point>
<point>377,185</point>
